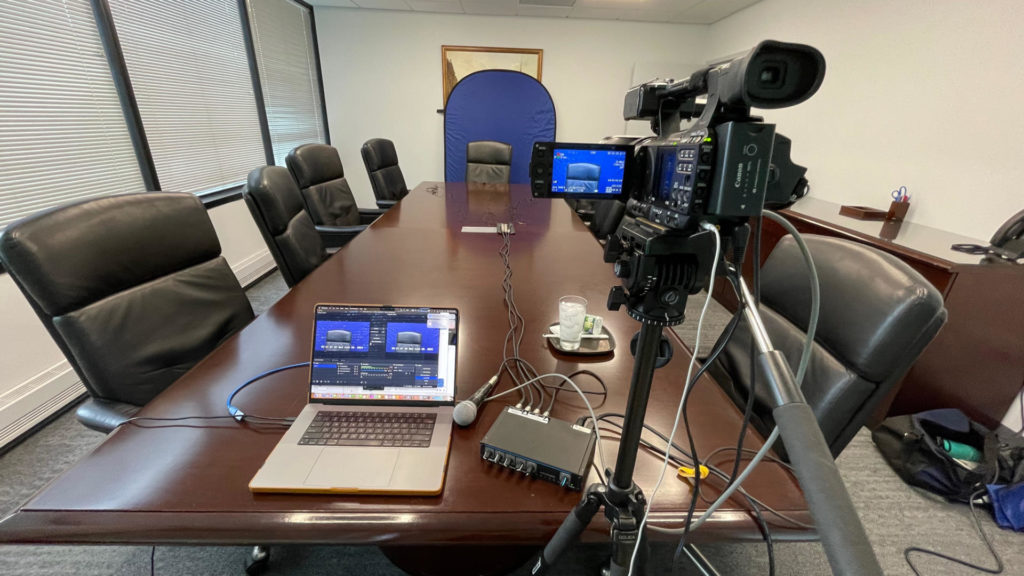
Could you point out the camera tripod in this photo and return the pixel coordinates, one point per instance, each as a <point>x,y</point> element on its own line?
<point>658,281</point>
<point>659,268</point>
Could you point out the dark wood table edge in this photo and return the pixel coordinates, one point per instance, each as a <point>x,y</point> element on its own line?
<point>875,241</point>
<point>246,528</point>
<point>323,527</point>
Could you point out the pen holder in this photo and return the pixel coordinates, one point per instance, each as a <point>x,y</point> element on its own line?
<point>897,211</point>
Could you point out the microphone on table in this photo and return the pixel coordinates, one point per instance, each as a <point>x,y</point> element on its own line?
<point>465,411</point>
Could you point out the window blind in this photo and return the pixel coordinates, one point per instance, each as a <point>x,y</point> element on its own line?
<point>282,35</point>
<point>189,70</point>
<point>62,133</point>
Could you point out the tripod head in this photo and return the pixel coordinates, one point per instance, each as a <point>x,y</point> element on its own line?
<point>659,267</point>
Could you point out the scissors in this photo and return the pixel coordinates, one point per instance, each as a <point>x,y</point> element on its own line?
<point>901,195</point>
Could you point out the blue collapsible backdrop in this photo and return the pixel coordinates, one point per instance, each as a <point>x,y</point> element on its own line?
<point>501,105</point>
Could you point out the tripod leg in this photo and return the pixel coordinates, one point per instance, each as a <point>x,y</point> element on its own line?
<point>258,560</point>
<point>573,525</point>
<point>625,538</point>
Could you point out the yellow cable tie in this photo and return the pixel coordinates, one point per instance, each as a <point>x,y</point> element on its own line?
<point>687,472</point>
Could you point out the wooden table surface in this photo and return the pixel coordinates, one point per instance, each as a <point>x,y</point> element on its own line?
<point>177,483</point>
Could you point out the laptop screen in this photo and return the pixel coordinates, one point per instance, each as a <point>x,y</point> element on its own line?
<point>381,354</point>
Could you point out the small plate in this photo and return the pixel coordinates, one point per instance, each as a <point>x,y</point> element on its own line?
<point>588,346</point>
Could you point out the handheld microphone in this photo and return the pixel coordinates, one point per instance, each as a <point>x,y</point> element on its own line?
<point>465,411</point>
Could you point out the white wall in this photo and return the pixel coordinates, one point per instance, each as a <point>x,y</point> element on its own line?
<point>28,349</point>
<point>240,241</point>
<point>921,93</point>
<point>382,76</point>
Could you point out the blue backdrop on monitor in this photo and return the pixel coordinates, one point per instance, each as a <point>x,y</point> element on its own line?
<point>501,105</point>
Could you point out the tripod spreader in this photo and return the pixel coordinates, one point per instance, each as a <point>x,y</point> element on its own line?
<point>623,508</point>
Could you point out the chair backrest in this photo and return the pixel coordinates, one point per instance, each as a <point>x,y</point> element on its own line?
<point>276,206</point>
<point>582,177</point>
<point>320,176</point>
<point>132,288</point>
<point>877,316</point>
<point>607,216</point>
<point>381,162</point>
<point>488,162</point>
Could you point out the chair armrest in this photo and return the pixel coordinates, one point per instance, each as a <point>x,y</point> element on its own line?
<point>105,415</point>
<point>385,204</point>
<point>368,215</point>
<point>337,236</point>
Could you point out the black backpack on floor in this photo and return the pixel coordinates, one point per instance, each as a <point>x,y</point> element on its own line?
<point>910,444</point>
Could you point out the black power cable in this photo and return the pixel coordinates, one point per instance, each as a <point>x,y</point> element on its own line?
<point>755,505</point>
<point>748,410</point>
<point>723,339</point>
<point>604,417</point>
<point>519,369</point>
<point>233,411</point>
<point>984,538</point>
<point>561,385</point>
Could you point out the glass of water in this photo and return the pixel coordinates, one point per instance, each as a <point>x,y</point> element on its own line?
<point>571,311</point>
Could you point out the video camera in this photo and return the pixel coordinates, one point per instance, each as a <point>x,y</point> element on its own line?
<point>724,168</point>
<point>726,165</point>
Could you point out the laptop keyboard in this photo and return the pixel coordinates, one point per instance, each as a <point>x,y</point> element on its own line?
<point>400,429</point>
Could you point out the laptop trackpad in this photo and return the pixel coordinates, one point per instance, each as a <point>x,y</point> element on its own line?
<point>359,468</point>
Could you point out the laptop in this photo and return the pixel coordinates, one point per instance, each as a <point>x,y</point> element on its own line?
<point>379,415</point>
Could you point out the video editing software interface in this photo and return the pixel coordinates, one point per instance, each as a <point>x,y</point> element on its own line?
<point>373,353</point>
<point>583,171</point>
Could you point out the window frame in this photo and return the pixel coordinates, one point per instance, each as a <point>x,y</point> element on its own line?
<point>133,119</point>
<point>257,81</point>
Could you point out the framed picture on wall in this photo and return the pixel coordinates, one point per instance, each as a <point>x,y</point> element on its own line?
<point>457,62</point>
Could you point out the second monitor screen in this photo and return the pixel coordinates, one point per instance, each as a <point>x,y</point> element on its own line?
<point>576,171</point>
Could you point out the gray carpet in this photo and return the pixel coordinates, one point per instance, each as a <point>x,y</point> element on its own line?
<point>896,515</point>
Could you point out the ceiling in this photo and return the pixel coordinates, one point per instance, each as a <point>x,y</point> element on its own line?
<point>676,11</point>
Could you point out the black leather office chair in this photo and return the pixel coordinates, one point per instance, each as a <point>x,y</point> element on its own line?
<point>582,177</point>
<point>339,340</point>
<point>488,162</point>
<point>320,176</point>
<point>408,342</point>
<point>386,178</point>
<point>276,205</point>
<point>877,316</point>
<point>606,218</point>
<point>133,290</point>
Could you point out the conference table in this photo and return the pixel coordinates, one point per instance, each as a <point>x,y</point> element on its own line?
<point>187,482</point>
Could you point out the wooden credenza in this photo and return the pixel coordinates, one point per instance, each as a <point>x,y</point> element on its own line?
<point>976,363</point>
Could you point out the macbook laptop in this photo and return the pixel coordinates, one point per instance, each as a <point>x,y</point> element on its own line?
<point>381,395</point>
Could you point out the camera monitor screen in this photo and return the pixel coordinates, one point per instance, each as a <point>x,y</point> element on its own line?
<point>591,171</point>
<point>575,171</point>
